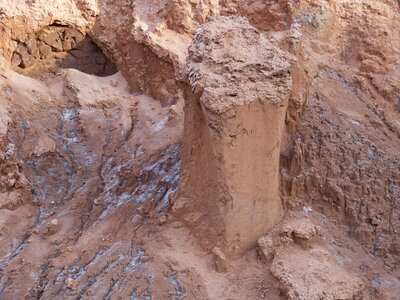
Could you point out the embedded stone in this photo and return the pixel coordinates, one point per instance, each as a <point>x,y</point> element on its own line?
<point>45,51</point>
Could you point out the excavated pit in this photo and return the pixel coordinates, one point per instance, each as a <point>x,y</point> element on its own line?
<point>59,47</point>
<point>103,195</point>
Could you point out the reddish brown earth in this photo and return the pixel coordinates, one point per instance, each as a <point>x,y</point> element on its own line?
<point>174,149</point>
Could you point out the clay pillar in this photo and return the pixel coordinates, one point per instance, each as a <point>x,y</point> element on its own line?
<point>239,86</point>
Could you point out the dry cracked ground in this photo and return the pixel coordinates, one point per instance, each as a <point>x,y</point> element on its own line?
<point>202,149</point>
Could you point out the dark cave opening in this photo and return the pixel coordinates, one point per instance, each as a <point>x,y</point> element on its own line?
<point>58,47</point>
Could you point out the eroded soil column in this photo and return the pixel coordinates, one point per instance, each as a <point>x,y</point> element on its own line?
<point>240,84</point>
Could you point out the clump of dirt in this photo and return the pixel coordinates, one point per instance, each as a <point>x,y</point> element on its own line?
<point>14,187</point>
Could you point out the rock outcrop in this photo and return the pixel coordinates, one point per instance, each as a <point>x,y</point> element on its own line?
<point>240,84</point>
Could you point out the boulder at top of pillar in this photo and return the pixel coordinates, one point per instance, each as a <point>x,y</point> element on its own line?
<point>239,84</point>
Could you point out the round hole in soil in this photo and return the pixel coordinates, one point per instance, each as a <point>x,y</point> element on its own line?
<point>60,47</point>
